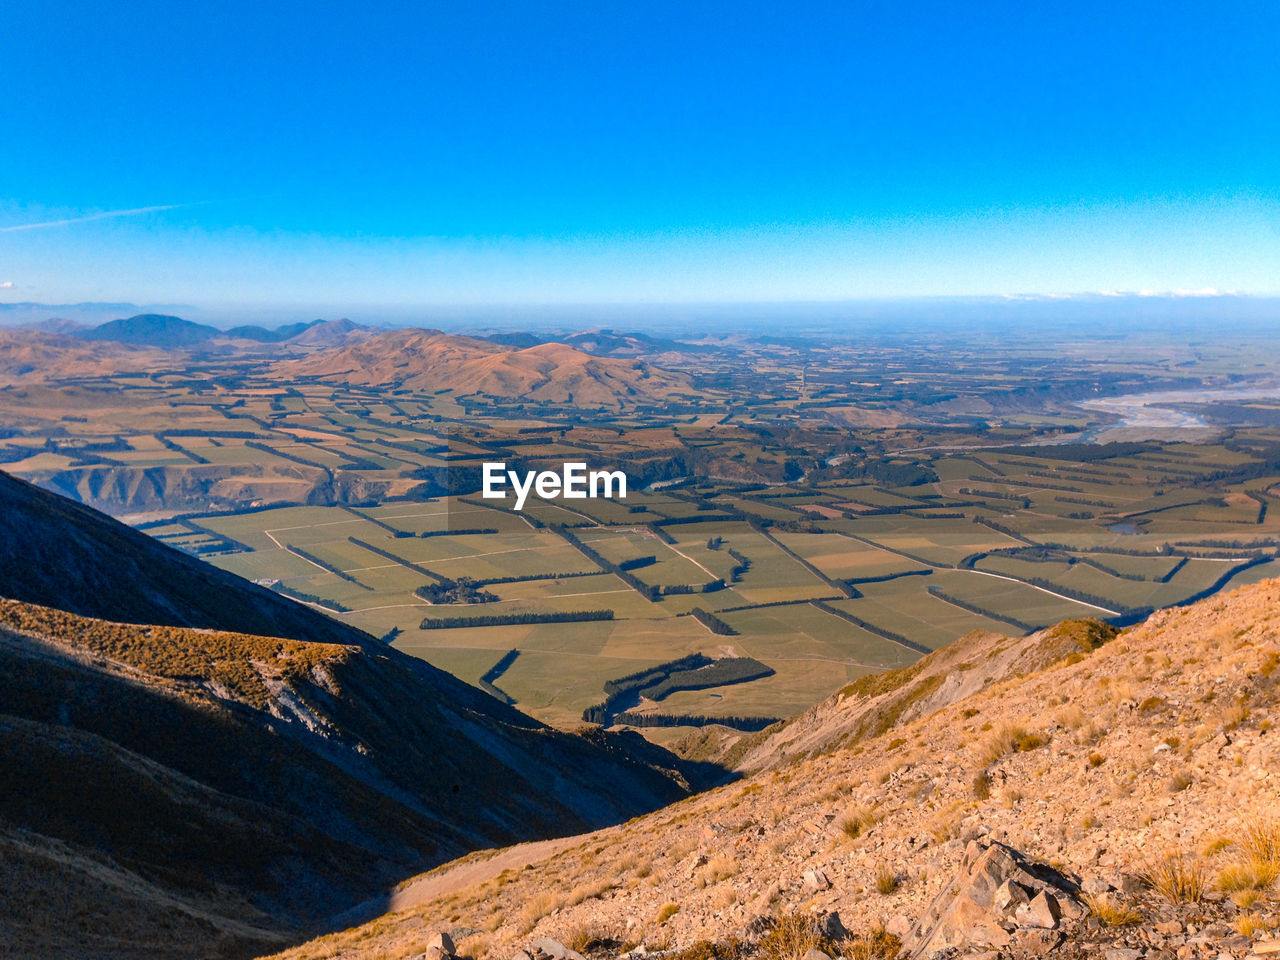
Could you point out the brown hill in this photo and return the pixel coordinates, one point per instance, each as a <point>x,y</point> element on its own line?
<point>430,360</point>
<point>1126,792</point>
<point>28,355</point>
<point>178,790</point>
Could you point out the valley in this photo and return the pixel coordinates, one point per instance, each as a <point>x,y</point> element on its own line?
<point>826,507</point>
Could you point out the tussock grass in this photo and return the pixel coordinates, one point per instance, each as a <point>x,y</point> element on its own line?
<point>1260,840</point>
<point>1252,924</point>
<point>1009,738</point>
<point>1175,878</point>
<point>886,880</point>
<point>878,944</point>
<point>537,907</point>
<point>717,868</point>
<point>858,820</point>
<point>1111,911</point>
<point>792,936</point>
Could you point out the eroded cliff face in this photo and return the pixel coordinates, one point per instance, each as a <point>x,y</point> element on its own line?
<point>123,490</point>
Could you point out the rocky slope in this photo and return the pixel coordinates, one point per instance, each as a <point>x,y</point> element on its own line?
<point>546,373</point>
<point>177,790</point>
<point>876,703</point>
<point>1121,801</point>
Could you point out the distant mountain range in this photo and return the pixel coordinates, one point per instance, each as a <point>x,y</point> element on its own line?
<point>168,332</point>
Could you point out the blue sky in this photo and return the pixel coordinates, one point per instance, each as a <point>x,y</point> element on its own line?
<point>349,157</point>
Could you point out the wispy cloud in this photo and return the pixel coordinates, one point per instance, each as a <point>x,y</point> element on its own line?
<point>102,215</point>
<point>6,285</point>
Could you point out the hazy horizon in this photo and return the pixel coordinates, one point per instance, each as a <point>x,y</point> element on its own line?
<point>390,157</point>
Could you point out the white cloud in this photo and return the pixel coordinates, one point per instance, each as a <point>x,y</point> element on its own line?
<point>103,215</point>
<point>5,285</point>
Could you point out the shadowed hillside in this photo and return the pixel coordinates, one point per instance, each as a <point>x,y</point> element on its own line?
<point>187,785</point>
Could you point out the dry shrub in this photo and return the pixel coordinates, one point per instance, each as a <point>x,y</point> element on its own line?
<point>667,911</point>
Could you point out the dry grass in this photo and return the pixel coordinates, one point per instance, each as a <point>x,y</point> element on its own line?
<point>886,880</point>
<point>1176,878</point>
<point>1261,840</point>
<point>536,908</point>
<point>667,911</point>
<point>858,820</point>
<point>1112,912</point>
<point>1009,738</point>
<point>1259,865</point>
<point>1252,924</point>
<point>876,945</point>
<point>792,936</point>
<point>1247,875</point>
<point>717,868</point>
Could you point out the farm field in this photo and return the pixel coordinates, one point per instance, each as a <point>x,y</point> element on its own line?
<point>891,501</point>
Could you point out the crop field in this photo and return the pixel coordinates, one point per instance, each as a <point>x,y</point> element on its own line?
<point>826,532</point>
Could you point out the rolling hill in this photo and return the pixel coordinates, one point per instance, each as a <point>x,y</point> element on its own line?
<point>430,360</point>
<point>153,329</point>
<point>31,355</point>
<point>204,768</point>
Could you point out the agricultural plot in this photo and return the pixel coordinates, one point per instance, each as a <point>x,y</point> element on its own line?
<point>887,503</point>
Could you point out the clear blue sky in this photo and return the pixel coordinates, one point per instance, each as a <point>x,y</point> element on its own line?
<point>342,157</point>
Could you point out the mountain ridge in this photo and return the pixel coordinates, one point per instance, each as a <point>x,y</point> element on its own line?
<point>239,760</point>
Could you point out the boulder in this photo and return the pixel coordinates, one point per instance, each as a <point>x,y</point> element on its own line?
<point>546,947</point>
<point>998,899</point>
<point>816,881</point>
<point>832,928</point>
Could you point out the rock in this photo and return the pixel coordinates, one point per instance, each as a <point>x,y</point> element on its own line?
<point>1009,897</point>
<point>815,881</point>
<point>973,911</point>
<point>1121,953</point>
<point>1129,883</point>
<point>1095,886</point>
<point>444,943</point>
<point>1267,948</point>
<point>1042,911</point>
<point>555,949</point>
<point>899,926</point>
<point>831,927</point>
<point>1170,928</point>
<point>816,954</point>
<point>1036,943</point>
<point>755,928</point>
